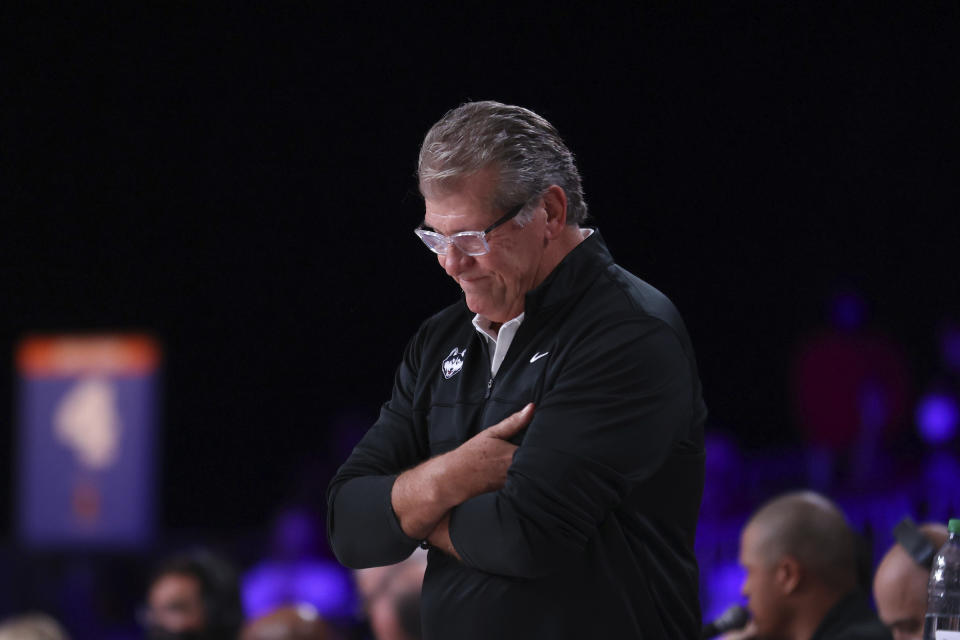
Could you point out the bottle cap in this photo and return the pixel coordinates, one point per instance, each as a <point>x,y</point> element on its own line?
<point>954,525</point>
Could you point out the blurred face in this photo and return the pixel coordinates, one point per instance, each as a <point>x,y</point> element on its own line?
<point>494,284</point>
<point>380,588</point>
<point>900,591</point>
<point>175,603</point>
<point>760,587</point>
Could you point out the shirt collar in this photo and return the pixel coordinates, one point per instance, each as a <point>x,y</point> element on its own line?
<point>483,326</point>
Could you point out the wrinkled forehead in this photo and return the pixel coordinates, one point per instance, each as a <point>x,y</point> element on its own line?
<point>469,207</point>
<point>481,183</point>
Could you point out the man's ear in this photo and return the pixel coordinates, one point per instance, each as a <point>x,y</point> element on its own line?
<point>555,204</point>
<point>789,574</point>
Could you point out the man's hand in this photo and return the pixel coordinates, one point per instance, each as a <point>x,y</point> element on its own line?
<point>480,464</point>
<point>422,496</point>
<point>440,537</point>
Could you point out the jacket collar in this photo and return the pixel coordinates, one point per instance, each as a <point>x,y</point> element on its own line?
<point>575,273</point>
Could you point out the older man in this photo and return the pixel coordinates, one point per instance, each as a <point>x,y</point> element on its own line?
<point>545,434</point>
<point>800,557</point>
<point>900,584</point>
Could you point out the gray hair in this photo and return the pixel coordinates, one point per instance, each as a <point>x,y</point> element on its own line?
<point>812,529</point>
<point>524,147</point>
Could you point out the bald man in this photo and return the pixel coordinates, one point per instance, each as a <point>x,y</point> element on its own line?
<point>799,554</point>
<point>900,586</point>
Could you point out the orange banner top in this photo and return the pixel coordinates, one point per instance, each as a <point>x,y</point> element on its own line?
<point>65,355</point>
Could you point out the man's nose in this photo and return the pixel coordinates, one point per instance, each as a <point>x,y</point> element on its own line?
<point>455,261</point>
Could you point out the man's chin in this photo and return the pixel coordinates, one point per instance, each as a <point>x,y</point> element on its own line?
<point>475,303</point>
<point>482,305</point>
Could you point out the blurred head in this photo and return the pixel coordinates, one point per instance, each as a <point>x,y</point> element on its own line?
<point>32,626</point>
<point>295,622</point>
<point>194,595</point>
<point>799,554</point>
<point>900,587</point>
<point>391,597</point>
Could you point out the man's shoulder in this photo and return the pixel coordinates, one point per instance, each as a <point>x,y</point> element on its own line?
<point>852,618</point>
<point>620,293</point>
<point>451,316</point>
<point>638,292</point>
<point>862,630</point>
<point>452,324</point>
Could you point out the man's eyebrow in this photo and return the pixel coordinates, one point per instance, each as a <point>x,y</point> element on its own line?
<point>424,225</point>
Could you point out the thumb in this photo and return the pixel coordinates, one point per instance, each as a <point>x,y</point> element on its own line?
<point>512,424</point>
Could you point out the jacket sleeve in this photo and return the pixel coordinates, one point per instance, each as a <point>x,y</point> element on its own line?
<point>619,405</point>
<point>362,528</point>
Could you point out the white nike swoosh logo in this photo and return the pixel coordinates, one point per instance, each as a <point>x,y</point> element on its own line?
<point>537,356</point>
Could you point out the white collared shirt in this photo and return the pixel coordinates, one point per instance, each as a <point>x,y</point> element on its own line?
<point>499,343</point>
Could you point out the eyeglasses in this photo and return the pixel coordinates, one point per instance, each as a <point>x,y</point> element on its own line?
<point>472,243</point>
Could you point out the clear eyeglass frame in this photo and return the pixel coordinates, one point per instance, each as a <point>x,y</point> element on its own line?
<point>471,243</point>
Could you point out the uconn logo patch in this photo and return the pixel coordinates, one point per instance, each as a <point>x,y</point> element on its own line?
<point>453,363</point>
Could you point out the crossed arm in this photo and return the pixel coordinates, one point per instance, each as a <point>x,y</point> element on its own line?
<point>423,496</point>
<point>608,423</point>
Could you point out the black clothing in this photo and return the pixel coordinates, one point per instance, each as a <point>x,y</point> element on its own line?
<point>593,532</point>
<point>852,619</point>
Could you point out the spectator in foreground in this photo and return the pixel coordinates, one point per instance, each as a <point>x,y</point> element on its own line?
<point>32,626</point>
<point>194,595</point>
<point>801,563</point>
<point>391,597</point>
<point>900,584</point>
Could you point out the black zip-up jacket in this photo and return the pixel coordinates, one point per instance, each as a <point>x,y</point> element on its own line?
<point>592,534</point>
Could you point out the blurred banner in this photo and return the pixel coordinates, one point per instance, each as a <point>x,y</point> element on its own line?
<point>87,421</point>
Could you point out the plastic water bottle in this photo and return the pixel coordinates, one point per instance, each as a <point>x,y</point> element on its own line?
<point>943,592</point>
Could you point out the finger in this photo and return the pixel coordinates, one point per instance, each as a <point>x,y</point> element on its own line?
<point>512,424</point>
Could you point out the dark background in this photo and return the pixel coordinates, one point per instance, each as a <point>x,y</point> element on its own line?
<point>240,184</point>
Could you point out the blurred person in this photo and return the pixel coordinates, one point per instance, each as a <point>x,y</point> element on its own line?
<point>800,557</point>
<point>544,437</point>
<point>900,583</point>
<point>850,387</point>
<point>391,597</point>
<point>194,596</point>
<point>32,626</point>
<point>292,622</point>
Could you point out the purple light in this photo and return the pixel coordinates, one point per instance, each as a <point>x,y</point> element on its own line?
<point>723,589</point>
<point>874,406</point>
<point>295,533</point>
<point>937,417</point>
<point>723,455</point>
<point>325,585</point>
<point>848,310</point>
<point>941,469</point>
